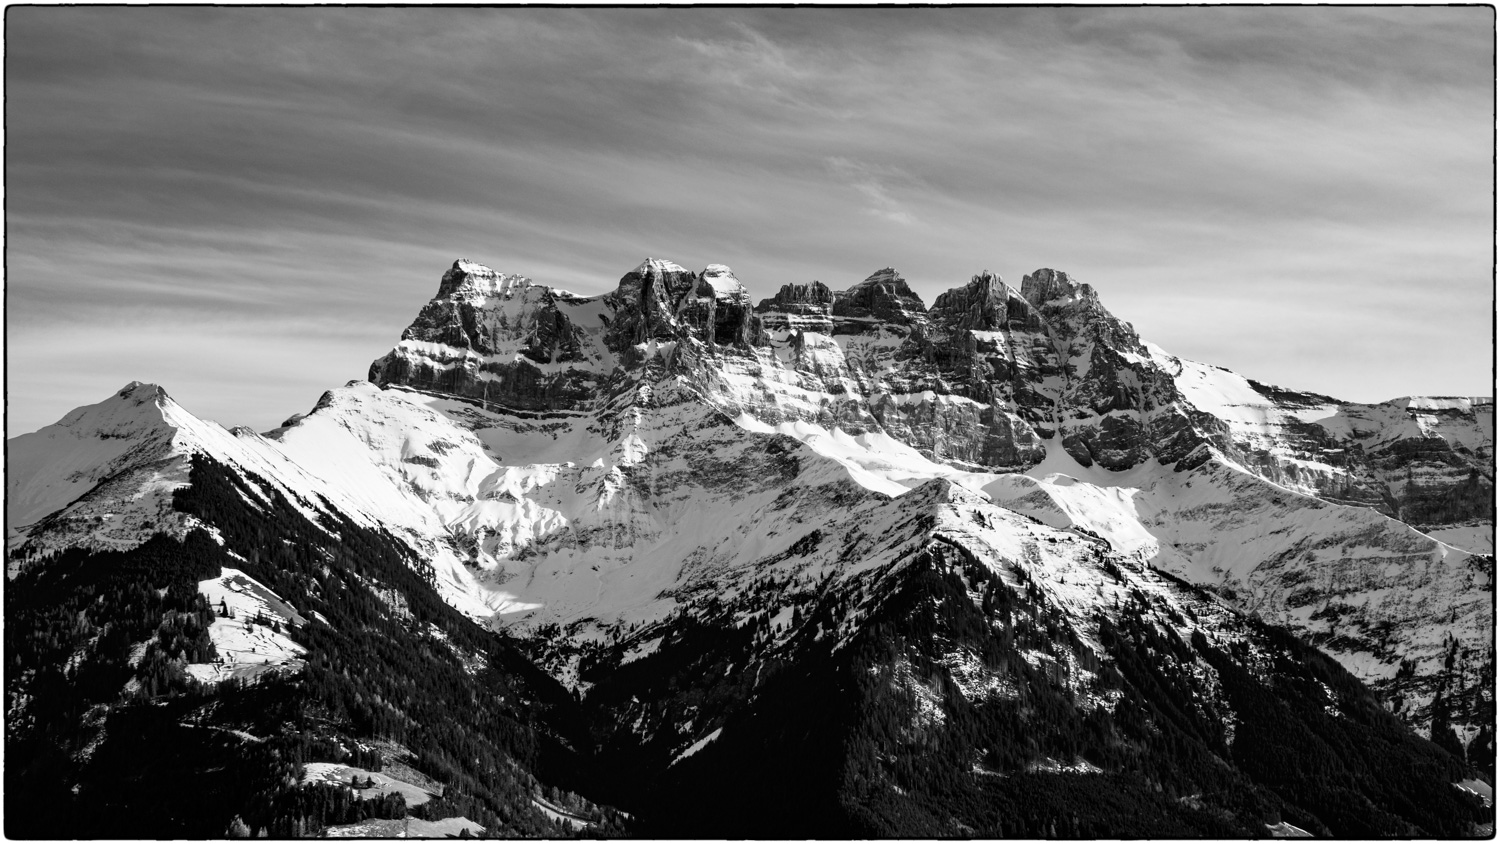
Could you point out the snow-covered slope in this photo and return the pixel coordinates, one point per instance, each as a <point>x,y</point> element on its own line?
<point>248,629</point>
<point>1425,460</point>
<point>1382,597</point>
<point>103,476</point>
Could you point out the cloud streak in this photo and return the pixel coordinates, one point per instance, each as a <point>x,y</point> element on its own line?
<point>863,179</point>
<point>1248,186</point>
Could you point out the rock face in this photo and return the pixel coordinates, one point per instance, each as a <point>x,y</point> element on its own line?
<point>801,307</point>
<point>491,333</point>
<point>983,380</point>
<point>884,297</point>
<point>718,309</point>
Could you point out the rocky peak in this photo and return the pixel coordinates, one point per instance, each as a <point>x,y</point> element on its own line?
<point>883,296</point>
<point>483,336</point>
<point>802,307</point>
<point>986,303</point>
<point>1074,313</point>
<point>134,412</point>
<point>660,266</point>
<point>648,297</point>
<point>718,282</point>
<point>660,278</point>
<point>811,298</point>
<point>139,392</point>
<point>716,309</point>
<point>470,276</point>
<point>1047,285</point>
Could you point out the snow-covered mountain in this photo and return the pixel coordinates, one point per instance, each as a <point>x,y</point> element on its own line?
<point>103,477</point>
<point>1192,468</point>
<point>640,485</point>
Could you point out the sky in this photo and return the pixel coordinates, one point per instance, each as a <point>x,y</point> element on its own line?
<point>248,206</point>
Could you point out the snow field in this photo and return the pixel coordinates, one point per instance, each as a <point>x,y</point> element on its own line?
<point>1476,538</point>
<point>696,746</point>
<point>1285,553</point>
<point>406,828</point>
<point>333,772</point>
<point>556,814</point>
<point>247,649</point>
<point>1479,787</point>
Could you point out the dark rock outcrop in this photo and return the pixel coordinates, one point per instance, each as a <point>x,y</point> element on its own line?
<point>883,297</point>
<point>798,307</point>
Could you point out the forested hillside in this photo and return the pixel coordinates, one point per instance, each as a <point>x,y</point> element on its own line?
<point>108,735</point>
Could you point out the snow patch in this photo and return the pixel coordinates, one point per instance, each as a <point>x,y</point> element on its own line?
<point>247,649</point>
<point>697,746</point>
<point>336,773</point>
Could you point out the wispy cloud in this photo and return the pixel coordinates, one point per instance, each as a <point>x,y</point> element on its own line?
<point>245,168</point>
<point>868,183</point>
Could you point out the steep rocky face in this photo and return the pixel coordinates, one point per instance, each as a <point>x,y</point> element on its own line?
<point>1115,407</point>
<point>1428,461</point>
<point>495,337</point>
<point>802,307</point>
<point>986,303</point>
<point>1434,457</point>
<point>645,302</point>
<point>981,381</point>
<point>884,297</point>
<point>718,309</point>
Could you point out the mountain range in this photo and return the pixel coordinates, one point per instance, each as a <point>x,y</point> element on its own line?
<point>670,562</point>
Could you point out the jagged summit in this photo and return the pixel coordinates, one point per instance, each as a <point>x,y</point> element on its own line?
<point>986,303</point>
<point>141,391</point>
<point>658,265</point>
<point>719,281</point>
<point>798,295</point>
<point>885,295</point>
<point>472,267</point>
<point>467,277</point>
<point>121,414</point>
<point>1048,285</point>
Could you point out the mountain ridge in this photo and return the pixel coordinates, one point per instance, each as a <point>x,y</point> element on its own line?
<point>665,480</point>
